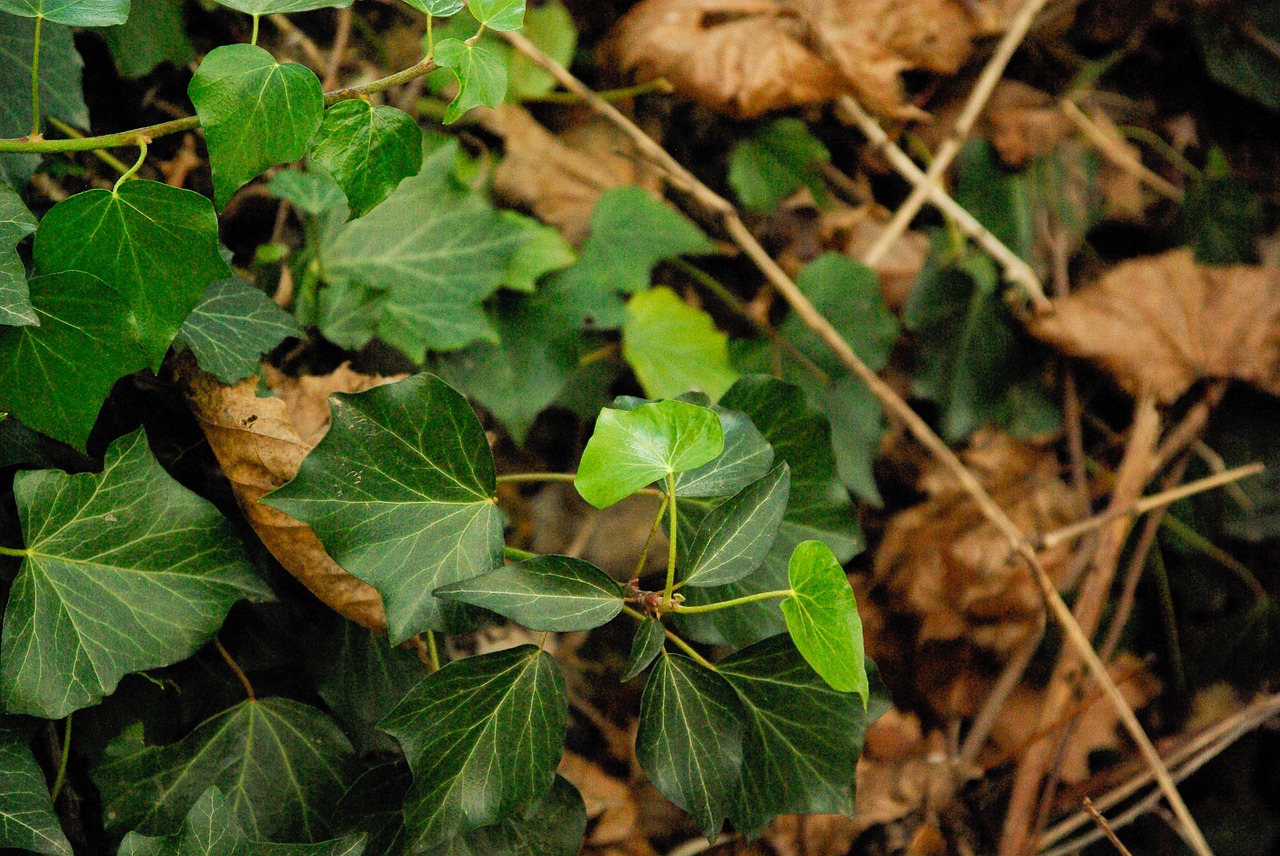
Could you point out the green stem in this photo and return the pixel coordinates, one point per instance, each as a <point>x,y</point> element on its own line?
<point>653,530</point>
<point>476,37</point>
<point>515,554</point>
<point>675,640</point>
<point>1156,142</point>
<point>35,79</point>
<point>671,550</point>
<point>11,551</point>
<point>433,653</point>
<point>431,36</point>
<point>62,762</point>
<point>131,171</point>
<point>658,84</point>
<point>726,604</point>
<point>524,478</point>
<point>253,39</point>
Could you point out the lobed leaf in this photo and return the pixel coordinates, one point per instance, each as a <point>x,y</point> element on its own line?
<point>822,617</point>
<point>368,150</point>
<point>481,74</point>
<point>16,222</point>
<point>60,88</point>
<point>232,326</point>
<point>674,347</point>
<point>27,818</point>
<point>73,13</point>
<point>555,593</point>
<point>498,14</point>
<point>776,161</point>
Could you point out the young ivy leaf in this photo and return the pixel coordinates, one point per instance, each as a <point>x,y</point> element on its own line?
<point>232,327</point>
<point>27,819</point>
<point>734,538</point>
<point>503,15</point>
<point>557,593</point>
<point>674,347</point>
<point>16,222</point>
<point>124,571</point>
<point>481,73</point>
<point>822,617</point>
<point>646,645</point>
<point>282,7</point>
<point>73,13</point>
<point>631,449</point>
<point>483,736</point>
<point>255,112</point>
<point>369,150</point>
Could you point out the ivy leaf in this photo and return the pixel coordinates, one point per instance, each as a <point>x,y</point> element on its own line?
<point>400,491</point>
<point>60,89</point>
<point>848,294</point>
<point>154,33</point>
<point>553,827</point>
<point>631,449</point>
<point>369,150</point>
<point>232,327</point>
<point>1237,49</point>
<point>646,645</point>
<point>282,765</point>
<point>212,829</point>
<point>1221,218</point>
<point>481,74</point>
<point>124,571</point>
<point>747,456</point>
<point>157,245</point>
<point>736,536</point>
<point>689,742</point>
<point>16,222</point>
<point>551,28</point>
<point>779,159</point>
<point>556,593</point>
<point>282,7</point>
<point>27,819</point>
<point>55,377</point>
<point>501,15</point>
<point>674,347</point>
<point>255,112</point>
<point>483,736</point>
<point>438,8</point>
<point>542,250</point>
<point>822,617</point>
<point>73,13</point>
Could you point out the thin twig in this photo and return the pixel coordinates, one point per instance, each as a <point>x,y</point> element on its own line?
<point>1105,827</point>
<point>338,52</point>
<point>1114,150</point>
<point>235,667</point>
<point>315,56</point>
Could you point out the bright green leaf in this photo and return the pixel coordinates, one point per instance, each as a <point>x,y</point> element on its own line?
<point>255,112</point>
<point>60,90</point>
<point>674,347</point>
<point>282,7</point>
<point>556,593</point>
<point>542,250</point>
<point>154,33</point>
<point>481,74</point>
<point>232,327</point>
<point>282,765</point>
<point>400,491</point>
<point>27,819</point>
<point>631,449</point>
<point>747,456</point>
<point>689,742</point>
<point>646,645</point>
<point>438,8</point>
<point>822,617</point>
<point>369,150</point>
<point>73,13</point>
<point>550,27</point>
<point>779,159</point>
<point>735,537</point>
<point>16,222</point>
<point>157,245</point>
<point>483,736</point>
<point>847,293</point>
<point>498,14</point>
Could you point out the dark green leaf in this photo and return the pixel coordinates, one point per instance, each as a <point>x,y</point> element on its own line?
<point>847,293</point>
<point>400,491</point>
<point>282,7</point>
<point>857,426</point>
<point>775,162</point>
<point>157,245</point>
<point>747,456</point>
<point>1221,218</point>
<point>232,327</point>
<point>498,14</point>
<point>27,819</point>
<point>73,13</point>
<point>690,739</point>
<point>481,74</point>
<point>154,33</point>
<point>60,92</point>
<point>734,538</point>
<point>646,645</point>
<point>483,736</point>
<point>553,827</point>
<point>1238,49</point>
<point>631,449</point>
<point>369,150</point>
<point>674,347</point>
<point>822,617</point>
<point>255,112</point>
<point>556,593</point>
<point>283,766</point>
<point>124,571</point>
<point>16,222</point>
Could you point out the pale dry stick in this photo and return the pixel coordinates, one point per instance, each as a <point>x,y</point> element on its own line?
<point>950,147</point>
<point>985,721</point>
<point>1106,828</point>
<point>1114,150</point>
<point>682,179</point>
<point>1015,269</point>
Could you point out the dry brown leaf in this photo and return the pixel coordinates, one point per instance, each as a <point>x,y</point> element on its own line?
<point>260,443</point>
<point>611,807</point>
<point>1022,122</point>
<point>1164,322</point>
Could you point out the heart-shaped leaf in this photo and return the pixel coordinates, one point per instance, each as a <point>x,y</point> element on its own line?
<point>124,571</point>
<point>232,326</point>
<point>822,617</point>
<point>282,7</point>
<point>369,150</point>
<point>557,593</point>
<point>498,14</point>
<point>27,819</point>
<point>73,13</point>
<point>646,645</point>
<point>481,73</point>
<point>674,347</point>
<point>553,827</point>
<point>16,222</point>
<point>735,537</point>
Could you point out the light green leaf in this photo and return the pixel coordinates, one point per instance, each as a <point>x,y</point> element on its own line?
<point>73,13</point>
<point>542,250</point>
<point>674,347</point>
<point>369,150</point>
<point>157,245</point>
<point>283,766</point>
<point>550,27</point>
<point>55,377</point>
<point>27,819</point>
<point>631,449</point>
<point>400,491</point>
<point>154,33</point>
<point>483,736</point>
<point>211,828</point>
<point>747,456</point>
<point>282,7</point>
<point>438,8</point>
<point>822,617</point>
<point>498,14</point>
<point>60,90</point>
<point>16,222</point>
<point>232,327</point>
<point>735,537</point>
<point>847,293</point>
<point>316,193</point>
<point>779,159</point>
<point>646,645</point>
<point>124,571</point>
<point>689,742</point>
<point>556,593</point>
<point>481,74</point>
<point>255,112</point>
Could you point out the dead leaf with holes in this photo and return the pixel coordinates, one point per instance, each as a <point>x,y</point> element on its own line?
<point>1164,322</point>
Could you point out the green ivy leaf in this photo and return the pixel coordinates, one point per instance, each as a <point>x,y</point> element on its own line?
<point>282,7</point>
<point>747,456</point>
<point>501,15</point>
<point>822,617</point>
<point>232,326</point>
<point>400,491</point>
<point>481,74</point>
<point>550,27</point>
<point>73,13</point>
<point>211,828</point>
<point>255,112</point>
<point>674,347</point>
<point>1238,52</point>
<point>157,245</point>
<point>369,150</point>
<point>1221,218</point>
<point>556,593</point>
<point>124,571</point>
<point>848,294</point>
<point>646,645</point>
<point>689,742</point>
<point>16,222</point>
<point>542,250</point>
<point>27,819</point>
<point>438,8</point>
<point>735,537</point>
<point>553,827</point>
<point>283,766</point>
<point>776,161</point>
<point>631,449</point>
<point>483,736</point>
<point>155,33</point>
<point>60,90</point>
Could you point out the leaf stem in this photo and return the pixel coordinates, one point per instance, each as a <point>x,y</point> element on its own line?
<point>515,554</point>
<point>62,762</point>
<point>726,604</point>
<point>525,478</point>
<point>658,84</point>
<point>35,78</point>
<point>253,39</point>
<point>433,652</point>
<point>14,551</point>
<point>431,36</point>
<point>675,640</point>
<point>235,667</point>
<point>671,548</point>
<point>131,171</point>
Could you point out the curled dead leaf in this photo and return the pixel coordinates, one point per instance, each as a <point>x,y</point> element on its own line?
<point>1022,122</point>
